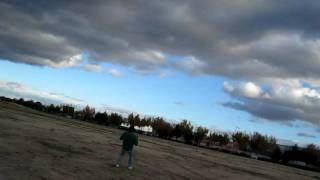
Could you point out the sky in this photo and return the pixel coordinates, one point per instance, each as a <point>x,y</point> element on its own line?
<point>242,65</point>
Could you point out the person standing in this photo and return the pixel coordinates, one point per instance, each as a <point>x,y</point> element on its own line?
<point>129,139</point>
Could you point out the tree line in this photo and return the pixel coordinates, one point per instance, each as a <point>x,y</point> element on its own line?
<point>184,132</point>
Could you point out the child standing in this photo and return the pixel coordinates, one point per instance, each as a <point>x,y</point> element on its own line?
<point>129,139</point>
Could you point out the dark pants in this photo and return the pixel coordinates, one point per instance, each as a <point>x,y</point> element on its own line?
<point>123,152</point>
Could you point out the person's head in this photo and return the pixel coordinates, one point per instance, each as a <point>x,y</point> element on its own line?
<point>131,129</point>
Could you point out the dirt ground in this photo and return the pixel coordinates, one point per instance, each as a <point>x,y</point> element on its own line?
<point>35,145</point>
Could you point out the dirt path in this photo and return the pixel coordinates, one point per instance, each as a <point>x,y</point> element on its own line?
<point>36,145</point>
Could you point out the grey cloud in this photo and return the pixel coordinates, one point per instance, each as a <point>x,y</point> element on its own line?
<point>264,110</point>
<point>279,103</point>
<point>303,134</point>
<point>229,39</point>
<point>249,39</point>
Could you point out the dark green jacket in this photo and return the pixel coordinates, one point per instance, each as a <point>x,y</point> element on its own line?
<point>128,140</point>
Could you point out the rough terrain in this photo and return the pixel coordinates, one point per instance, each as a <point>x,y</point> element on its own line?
<point>36,145</point>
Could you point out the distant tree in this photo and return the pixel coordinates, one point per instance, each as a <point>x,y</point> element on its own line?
<point>224,139</point>
<point>20,101</point>
<point>102,118</point>
<point>295,147</point>
<point>262,144</point>
<point>311,154</point>
<point>131,119</point>
<point>218,138</point>
<point>199,134</point>
<point>78,114</point>
<point>276,154</point>
<point>294,154</point>
<point>68,110</point>
<point>148,121</point>
<point>143,122</point>
<point>177,132</point>
<point>186,131</point>
<point>136,121</point>
<point>258,142</point>
<point>57,109</point>
<point>2,98</point>
<point>98,117</point>
<point>116,119</point>
<point>242,139</point>
<point>38,106</point>
<point>169,127</point>
<point>311,149</point>
<point>272,143</point>
<point>28,104</point>
<point>51,108</point>
<point>212,138</point>
<point>88,113</point>
<point>162,128</point>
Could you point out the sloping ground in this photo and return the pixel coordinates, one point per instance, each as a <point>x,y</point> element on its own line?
<point>35,145</point>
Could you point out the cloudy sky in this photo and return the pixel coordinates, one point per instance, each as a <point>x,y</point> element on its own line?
<point>252,65</point>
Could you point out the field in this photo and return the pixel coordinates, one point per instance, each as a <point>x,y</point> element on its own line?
<point>35,145</point>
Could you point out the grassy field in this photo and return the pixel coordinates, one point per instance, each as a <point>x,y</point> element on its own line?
<point>35,145</point>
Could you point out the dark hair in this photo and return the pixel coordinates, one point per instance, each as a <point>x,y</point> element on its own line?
<point>131,129</point>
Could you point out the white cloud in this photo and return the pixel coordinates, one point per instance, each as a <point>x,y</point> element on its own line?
<point>70,62</point>
<point>248,89</point>
<point>93,67</point>
<point>99,69</point>
<point>114,72</point>
<point>281,101</point>
<point>191,64</point>
<point>228,87</point>
<point>151,56</point>
<point>166,73</point>
<point>18,90</point>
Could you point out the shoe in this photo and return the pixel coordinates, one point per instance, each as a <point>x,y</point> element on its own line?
<point>117,165</point>
<point>130,167</point>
